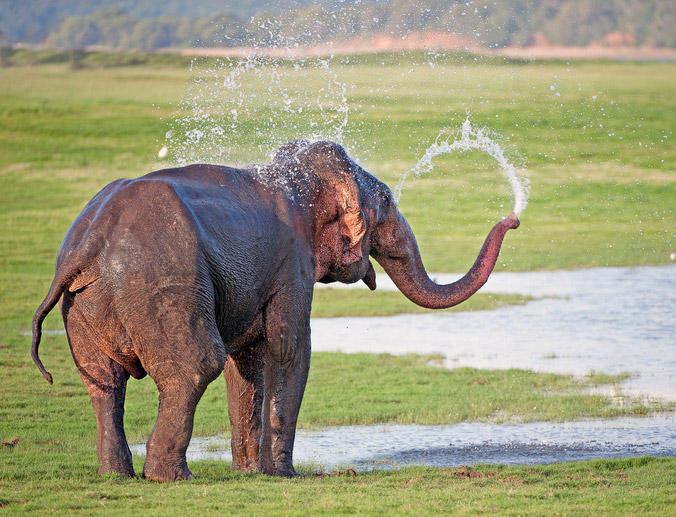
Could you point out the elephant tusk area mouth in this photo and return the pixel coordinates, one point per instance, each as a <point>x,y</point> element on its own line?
<point>370,277</point>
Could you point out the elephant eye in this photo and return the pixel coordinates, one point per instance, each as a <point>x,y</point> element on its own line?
<point>386,202</point>
<point>334,217</point>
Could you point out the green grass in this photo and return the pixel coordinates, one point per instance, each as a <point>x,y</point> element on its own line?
<point>612,195</point>
<point>600,196</point>
<point>342,389</point>
<point>333,303</point>
<point>602,487</point>
<point>410,389</point>
<point>90,59</point>
<point>54,463</point>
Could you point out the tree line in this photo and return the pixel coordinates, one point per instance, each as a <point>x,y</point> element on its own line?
<point>491,24</point>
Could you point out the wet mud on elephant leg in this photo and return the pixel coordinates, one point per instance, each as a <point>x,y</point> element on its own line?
<point>165,450</point>
<point>287,363</point>
<point>181,378</point>
<point>244,378</point>
<point>106,383</point>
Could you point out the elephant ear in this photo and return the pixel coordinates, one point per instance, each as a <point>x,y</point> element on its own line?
<point>351,222</point>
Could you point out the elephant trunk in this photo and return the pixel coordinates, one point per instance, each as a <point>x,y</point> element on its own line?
<point>407,271</point>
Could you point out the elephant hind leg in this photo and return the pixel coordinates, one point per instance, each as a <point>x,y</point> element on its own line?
<point>244,378</point>
<point>106,382</point>
<point>182,371</point>
<point>168,442</point>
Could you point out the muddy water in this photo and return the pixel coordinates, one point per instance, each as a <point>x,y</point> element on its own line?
<point>395,446</point>
<point>606,319</point>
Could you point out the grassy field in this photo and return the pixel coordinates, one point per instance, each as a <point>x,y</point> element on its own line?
<point>596,199</point>
<point>332,303</point>
<point>600,155</point>
<point>53,465</point>
<point>601,165</point>
<point>603,487</point>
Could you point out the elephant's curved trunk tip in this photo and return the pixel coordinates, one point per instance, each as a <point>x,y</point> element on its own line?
<point>409,275</point>
<point>514,219</point>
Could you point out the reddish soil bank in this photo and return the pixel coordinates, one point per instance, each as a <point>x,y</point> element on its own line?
<point>377,43</point>
<point>445,41</point>
<point>590,52</point>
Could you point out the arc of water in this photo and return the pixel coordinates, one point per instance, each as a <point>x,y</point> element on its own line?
<point>471,138</point>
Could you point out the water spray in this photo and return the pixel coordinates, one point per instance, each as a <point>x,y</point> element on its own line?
<point>253,102</point>
<point>471,138</point>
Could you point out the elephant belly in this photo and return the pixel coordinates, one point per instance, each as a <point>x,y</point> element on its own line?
<point>243,334</point>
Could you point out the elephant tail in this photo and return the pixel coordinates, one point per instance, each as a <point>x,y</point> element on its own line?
<point>60,283</point>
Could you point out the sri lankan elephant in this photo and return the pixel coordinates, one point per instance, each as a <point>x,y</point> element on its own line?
<point>187,273</point>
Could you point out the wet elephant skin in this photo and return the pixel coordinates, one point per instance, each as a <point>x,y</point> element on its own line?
<point>187,273</point>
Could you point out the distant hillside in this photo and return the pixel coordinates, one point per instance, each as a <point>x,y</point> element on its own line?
<point>148,25</point>
<point>32,20</point>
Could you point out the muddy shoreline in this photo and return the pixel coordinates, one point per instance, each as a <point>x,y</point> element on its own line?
<point>592,52</point>
<point>393,446</point>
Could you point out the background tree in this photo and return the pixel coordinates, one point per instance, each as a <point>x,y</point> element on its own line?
<point>493,24</point>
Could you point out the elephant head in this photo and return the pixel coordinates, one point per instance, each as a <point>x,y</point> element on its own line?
<point>356,217</point>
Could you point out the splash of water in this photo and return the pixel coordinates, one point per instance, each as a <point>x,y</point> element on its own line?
<point>236,109</point>
<point>471,138</point>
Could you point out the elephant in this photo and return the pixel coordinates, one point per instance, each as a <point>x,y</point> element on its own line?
<point>186,273</point>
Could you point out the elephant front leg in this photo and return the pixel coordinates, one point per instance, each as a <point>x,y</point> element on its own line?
<point>244,377</point>
<point>287,363</point>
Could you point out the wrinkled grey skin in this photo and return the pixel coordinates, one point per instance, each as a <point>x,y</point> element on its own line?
<point>186,273</point>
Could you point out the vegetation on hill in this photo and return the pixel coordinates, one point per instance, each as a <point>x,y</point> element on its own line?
<point>32,20</point>
<point>123,24</point>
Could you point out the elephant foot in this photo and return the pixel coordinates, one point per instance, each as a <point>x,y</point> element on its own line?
<point>166,471</point>
<point>115,458</point>
<point>249,467</point>
<point>124,471</point>
<point>284,471</point>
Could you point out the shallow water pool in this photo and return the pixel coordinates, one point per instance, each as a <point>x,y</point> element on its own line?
<point>395,446</point>
<point>611,320</point>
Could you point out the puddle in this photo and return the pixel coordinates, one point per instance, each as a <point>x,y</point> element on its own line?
<point>396,446</point>
<point>611,320</point>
